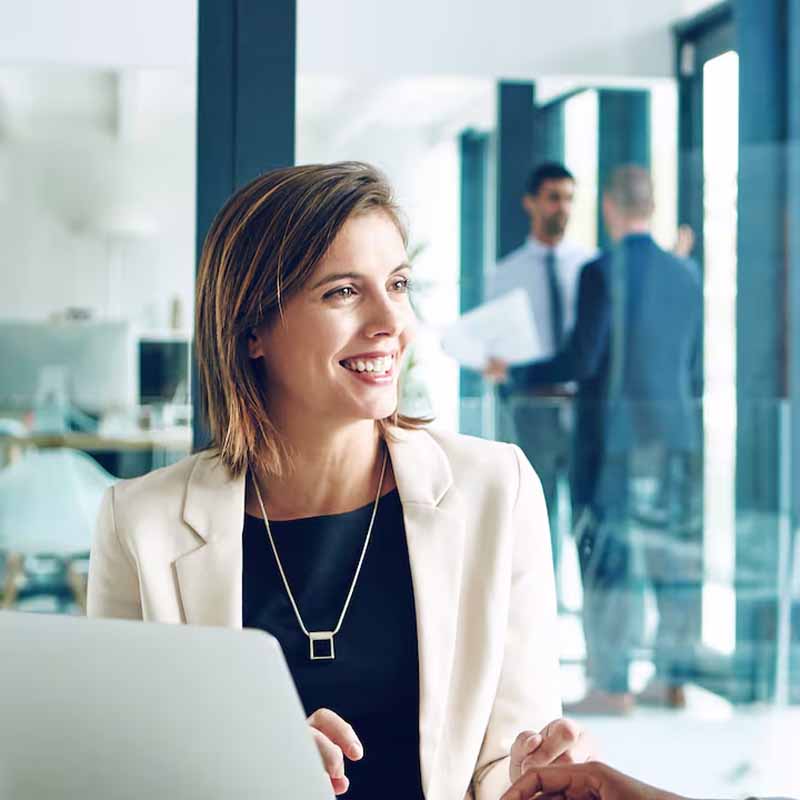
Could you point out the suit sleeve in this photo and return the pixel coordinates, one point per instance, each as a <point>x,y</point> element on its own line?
<point>696,362</point>
<point>113,589</point>
<point>696,356</point>
<point>581,356</point>
<point>528,693</point>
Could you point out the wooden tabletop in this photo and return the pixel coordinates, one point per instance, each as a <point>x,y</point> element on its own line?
<point>179,439</point>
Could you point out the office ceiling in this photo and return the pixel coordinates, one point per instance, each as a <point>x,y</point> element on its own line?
<point>362,64</point>
<point>368,39</point>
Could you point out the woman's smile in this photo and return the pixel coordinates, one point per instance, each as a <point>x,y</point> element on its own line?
<point>377,369</point>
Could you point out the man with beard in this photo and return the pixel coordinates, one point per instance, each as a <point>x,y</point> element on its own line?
<point>547,266</point>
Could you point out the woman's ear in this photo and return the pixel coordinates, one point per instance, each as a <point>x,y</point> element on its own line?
<point>254,348</point>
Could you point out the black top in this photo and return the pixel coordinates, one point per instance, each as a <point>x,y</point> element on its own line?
<point>373,682</point>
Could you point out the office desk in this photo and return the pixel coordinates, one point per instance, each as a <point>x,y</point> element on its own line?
<point>166,439</point>
<point>156,442</point>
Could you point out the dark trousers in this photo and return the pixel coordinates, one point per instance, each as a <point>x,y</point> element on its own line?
<point>628,540</point>
<point>535,424</point>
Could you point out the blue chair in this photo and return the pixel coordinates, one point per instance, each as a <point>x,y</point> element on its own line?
<point>49,501</point>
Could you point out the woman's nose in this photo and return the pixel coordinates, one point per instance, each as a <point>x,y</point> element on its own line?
<point>388,318</point>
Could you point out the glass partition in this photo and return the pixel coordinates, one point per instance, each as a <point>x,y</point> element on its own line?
<point>655,580</point>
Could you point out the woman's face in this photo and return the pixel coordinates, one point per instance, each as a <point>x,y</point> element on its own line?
<point>337,351</point>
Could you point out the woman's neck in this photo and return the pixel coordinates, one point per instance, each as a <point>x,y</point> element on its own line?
<point>332,471</point>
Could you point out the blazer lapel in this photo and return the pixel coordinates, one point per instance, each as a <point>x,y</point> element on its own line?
<point>434,534</point>
<point>210,577</point>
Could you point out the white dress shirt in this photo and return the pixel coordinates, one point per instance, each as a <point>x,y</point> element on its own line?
<point>526,268</point>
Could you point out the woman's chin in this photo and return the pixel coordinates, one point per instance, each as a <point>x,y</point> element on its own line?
<point>382,404</point>
<point>377,411</point>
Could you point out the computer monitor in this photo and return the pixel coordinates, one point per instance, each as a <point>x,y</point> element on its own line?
<point>131,710</point>
<point>99,357</point>
<point>163,371</point>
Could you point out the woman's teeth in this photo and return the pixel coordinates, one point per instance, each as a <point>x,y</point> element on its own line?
<point>379,366</point>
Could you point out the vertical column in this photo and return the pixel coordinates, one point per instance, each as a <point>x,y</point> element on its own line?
<point>514,156</point>
<point>762,316</point>
<point>548,132</point>
<point>623,138</point>
<point>793,240</point>
<point>793,261</point>
<point>793,243</point>
<point>245,108</point>
<point>473,152</point>
<point>690,143</point>
<point>265,86</point>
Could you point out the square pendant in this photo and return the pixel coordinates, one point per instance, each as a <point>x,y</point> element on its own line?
<point>321,645</point>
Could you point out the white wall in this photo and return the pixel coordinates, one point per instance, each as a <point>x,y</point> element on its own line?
<point>96,167</point>
<point>99,33</point>
<point>365,38</point>
<point>503,38</point>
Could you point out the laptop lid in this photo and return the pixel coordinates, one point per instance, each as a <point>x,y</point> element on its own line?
<point>134,711</point>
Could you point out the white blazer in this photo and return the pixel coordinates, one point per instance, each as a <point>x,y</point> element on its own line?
<point>168,548</point>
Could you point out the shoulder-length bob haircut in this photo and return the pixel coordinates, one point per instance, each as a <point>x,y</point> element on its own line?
<point>262,248</point>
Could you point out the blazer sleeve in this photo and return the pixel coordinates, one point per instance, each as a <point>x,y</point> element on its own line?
<point>528,693</point>
<point>113,589</point>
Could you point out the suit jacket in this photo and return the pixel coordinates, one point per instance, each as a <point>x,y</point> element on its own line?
<point>659,364</point>
<point>168,548</point>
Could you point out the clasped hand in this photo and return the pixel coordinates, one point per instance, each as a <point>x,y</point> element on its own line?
<point>560,742</point>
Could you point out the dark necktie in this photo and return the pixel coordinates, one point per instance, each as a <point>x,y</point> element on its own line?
<point>556,305</point>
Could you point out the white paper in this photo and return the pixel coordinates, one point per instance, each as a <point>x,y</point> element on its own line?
<point>502,328</point>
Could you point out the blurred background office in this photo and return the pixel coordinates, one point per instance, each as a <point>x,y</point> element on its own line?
<point>123,128</point>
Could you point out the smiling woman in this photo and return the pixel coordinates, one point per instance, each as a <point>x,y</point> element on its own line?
<point>320,249</point>
<point>344,333</point>
<point>405,572</point>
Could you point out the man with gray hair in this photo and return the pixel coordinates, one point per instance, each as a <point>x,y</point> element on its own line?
<point>633,351</point>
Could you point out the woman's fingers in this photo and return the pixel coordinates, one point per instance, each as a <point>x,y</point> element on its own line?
<point>331,754</point>
<point>335,739</point>
<point>562,742</point>
<point>525,744</point>
<point>338,731</point>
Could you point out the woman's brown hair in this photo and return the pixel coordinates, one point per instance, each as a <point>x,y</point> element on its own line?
<point>262,248</point>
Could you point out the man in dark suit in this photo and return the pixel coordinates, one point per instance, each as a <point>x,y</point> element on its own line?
<point>633,352</point>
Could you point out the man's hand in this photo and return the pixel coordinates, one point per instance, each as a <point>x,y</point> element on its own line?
<point>496,370</point>
<point>335,739</point>
<point>560,742</point>
<point>590,781</point>
<point>684,242</point>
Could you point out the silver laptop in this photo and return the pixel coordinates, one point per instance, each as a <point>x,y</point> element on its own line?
<point>120,710</point>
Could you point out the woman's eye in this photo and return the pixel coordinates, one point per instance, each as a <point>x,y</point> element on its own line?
<point>402,284</point>
<point>343,293</point>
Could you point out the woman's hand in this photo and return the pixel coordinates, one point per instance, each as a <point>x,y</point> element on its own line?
<point>560,742</point>
<point>335,739</point>
<point>591,781</point>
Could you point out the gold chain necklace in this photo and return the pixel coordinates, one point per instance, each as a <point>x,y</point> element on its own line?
<point>322,636</point>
